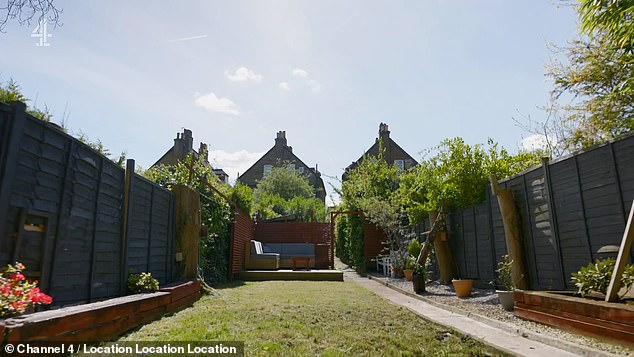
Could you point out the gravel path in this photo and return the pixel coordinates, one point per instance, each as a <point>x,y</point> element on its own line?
<point>484,303</point>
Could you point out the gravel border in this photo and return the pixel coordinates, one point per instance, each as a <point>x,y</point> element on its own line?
<point>484,306</point>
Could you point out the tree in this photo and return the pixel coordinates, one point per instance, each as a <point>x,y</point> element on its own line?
<point>285,183</point>
<point>284,191</point>
<point>371,188</point>
<point>592,99</point>
<point>24,11</point>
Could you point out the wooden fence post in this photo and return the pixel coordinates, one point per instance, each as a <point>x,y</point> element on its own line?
<point>127,198</point>
<point>621,260</point>
<point>512,233</point>
<point>187,222</point>
<point>9,152</point>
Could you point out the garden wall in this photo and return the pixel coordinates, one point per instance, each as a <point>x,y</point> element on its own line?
<point>569,208</point>
<point>241,234</point>
<point>300,232</point>
<point>79,222</point>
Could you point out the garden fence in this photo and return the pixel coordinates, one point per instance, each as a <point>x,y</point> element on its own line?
<point>569,208</point>
<point>80,223</point>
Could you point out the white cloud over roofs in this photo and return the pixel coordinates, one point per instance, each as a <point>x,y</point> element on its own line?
<point>243,74</point>
<point>233,162</point>
<point>212,103</point>
<point>300,77</point>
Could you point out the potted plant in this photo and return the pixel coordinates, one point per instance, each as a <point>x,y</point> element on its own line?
<point>413,249</point>
<point>505,283</point>
<point>419,277</point>
<point>409,269</point>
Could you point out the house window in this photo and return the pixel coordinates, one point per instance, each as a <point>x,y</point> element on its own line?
<point>291,166</point>
<point>267,169</point>
<point>301,169</point>
<point>400,165</point>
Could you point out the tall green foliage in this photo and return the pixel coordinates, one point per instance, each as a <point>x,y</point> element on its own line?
<point>593,95</point>
<point>356,243</point>
<point>457,175</point>
<point>371,188</point>
<point>284,191</point>
<point>216,213</point>
<point>342,250</point>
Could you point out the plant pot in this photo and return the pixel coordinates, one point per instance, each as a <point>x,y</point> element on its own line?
<point>507,299</point>
<point>418,281</point>
<point>462,287</point>
<point>408,274</point>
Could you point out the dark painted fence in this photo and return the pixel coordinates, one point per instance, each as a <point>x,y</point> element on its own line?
<point>80,223</point>
<point>569,209</point>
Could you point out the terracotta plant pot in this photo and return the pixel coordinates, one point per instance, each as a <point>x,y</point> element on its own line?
<point>462,287</point>
<point>507,299</point>
<point>418,280</point>
<point>408,274</point>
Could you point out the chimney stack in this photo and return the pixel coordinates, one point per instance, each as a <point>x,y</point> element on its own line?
<point>280,140</point>
<point>384,133</point>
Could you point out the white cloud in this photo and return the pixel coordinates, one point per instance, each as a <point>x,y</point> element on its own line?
<point>535,142</point>
<point>298,72</point>
<point>233,162</point>
<point>314,85</point>
<point>213,103</point>
<point>300,79</point>
<point>243,74</point>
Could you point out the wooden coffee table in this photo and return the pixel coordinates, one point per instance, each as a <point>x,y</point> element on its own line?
<point>306,261</point>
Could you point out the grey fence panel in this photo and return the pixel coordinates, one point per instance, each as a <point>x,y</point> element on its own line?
<point>61,213</point>
<point>604,216</point>
<point>37,188</point>
<point>159,252</point>
<point>150,230</point>
<point>71,271</point>
<point>138,240</point>
<point>624,162</point>
<point>571,220</point>
<point>484,242</point>
<point>499,239</point>
<point>106,260</point>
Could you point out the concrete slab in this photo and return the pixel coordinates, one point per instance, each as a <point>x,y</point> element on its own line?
<point>498,338</point>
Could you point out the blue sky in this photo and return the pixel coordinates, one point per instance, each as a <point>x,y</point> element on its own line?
<point>134,73</point>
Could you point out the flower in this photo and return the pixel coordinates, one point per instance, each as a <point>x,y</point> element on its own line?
<point>17,276</point>
<point>17,293</point>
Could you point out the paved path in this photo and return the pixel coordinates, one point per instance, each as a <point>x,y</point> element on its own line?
<point>498,338</point>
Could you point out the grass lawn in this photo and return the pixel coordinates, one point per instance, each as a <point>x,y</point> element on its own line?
<point>293,318</point>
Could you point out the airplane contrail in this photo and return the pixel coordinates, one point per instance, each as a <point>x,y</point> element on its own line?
<point>187,38</point>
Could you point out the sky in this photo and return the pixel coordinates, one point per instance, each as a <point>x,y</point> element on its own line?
<point>133,74</point>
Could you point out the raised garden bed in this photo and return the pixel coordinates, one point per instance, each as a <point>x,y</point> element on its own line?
<point>606,320</point>
<point>99,321</point>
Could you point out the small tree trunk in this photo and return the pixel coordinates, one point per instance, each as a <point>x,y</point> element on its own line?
<point>443,252</point>
<point>512,234</point>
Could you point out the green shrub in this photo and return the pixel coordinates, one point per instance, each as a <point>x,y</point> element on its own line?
<point>341,239</point>
<point>596,277</point>
<point>505,277</point>
<point>142,283</point>
<point>356,243</point>
<point>414,248</point>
